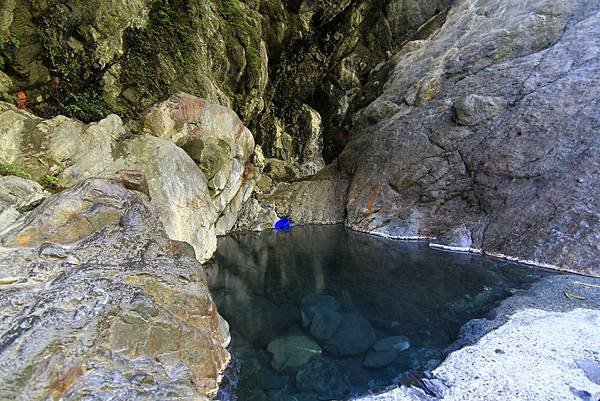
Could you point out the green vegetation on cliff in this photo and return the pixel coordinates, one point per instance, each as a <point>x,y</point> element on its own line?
<point>13,169</point>
<point>158,53</point>
<point>248,37</point>
<point>270,60</point>
<point>51,182</point>
<point>75,79</point>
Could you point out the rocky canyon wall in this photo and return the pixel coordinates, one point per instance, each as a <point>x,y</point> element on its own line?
<point>288,68</point>
<point>474,125</point>
<point>486,136</point>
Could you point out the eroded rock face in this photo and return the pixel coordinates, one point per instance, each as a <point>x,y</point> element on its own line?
<point>194,155</point>
<point>97,303</point>
<point>217,140</point>
<point>486,136</point>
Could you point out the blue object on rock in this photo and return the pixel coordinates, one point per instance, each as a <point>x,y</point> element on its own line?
<point>284,224</point>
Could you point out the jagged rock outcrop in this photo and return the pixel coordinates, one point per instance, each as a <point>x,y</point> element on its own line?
<point>195,156</point>
<point>98,303</point>
<point>486,136</point>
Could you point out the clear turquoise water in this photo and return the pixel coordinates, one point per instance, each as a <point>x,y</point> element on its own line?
<point>353,290</point>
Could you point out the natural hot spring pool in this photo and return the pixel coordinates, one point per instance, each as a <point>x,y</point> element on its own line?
<point>324,313</point>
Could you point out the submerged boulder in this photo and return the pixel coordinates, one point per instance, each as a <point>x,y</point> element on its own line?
<point>97,300</point>
<point>385,351</point>
<point>379,359</point>
<point>396,343</point>
<point>292,351</point>
<point>353,336</point>
<point>311,304</point>
<point>324,324</point>
<point>322,378</point>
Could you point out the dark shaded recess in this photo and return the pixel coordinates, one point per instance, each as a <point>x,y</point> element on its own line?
<point>338,128</point>
<point>314,58</point>
<point>299,58</point>
<point>302,67</point>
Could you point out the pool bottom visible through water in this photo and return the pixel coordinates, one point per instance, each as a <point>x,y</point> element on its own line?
<point>324,313</point>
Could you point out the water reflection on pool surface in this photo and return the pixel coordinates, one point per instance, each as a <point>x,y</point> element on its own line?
<point>324,313</point>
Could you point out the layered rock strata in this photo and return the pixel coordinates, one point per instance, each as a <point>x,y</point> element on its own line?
<point>98,303</point>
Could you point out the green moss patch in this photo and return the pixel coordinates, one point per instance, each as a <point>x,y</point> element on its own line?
<point>53,183</point>
<point>7,46</point>
<point>13,169</point>
<point>233,13</point>
<point>168,39</point>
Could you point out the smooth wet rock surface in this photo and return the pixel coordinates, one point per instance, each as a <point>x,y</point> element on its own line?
<point>376,308</point>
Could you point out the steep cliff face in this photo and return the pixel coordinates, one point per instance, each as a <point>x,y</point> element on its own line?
<point>486,136</point>
<point>289,68</point>
<point>475,126</point>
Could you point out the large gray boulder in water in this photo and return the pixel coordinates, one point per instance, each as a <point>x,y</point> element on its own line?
<point>97,303</point>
